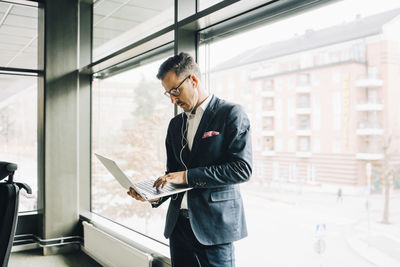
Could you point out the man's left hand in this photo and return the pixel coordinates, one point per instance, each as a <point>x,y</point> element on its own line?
<point>172,178</point>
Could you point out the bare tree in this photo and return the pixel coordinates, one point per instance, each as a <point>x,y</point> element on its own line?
<point>388,171</point>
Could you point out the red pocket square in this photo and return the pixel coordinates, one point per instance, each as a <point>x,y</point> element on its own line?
<point>209,134</point>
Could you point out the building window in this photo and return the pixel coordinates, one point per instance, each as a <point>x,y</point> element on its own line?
<point>337,110</point>
<point>268,143</point>
<point>304,122</point>
<point>311,173</point>
<point>304,144</point>
<point>303,79</point>
<point>303,101</point>
<point>293,172</point>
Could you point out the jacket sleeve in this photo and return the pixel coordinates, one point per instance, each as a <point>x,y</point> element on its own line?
<point>237,166</point>
<point>171,165</point>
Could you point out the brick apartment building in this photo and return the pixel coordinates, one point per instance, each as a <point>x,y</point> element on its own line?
<point>322,104</point>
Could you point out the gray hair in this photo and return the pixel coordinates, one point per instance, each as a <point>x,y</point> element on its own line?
<point>182,64</point>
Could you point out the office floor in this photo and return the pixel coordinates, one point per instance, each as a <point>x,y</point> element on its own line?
<point>35,258</point>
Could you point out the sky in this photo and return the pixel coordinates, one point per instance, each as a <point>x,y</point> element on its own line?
<point>328,15</point>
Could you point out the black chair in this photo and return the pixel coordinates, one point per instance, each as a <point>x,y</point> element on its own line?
<point>9,197</point>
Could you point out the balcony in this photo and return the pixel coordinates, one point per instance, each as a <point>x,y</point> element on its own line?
<point>268,113</point>
<point>370,148</point>
<point>268,93</point>
<point>369,128</point>
<point>268,133</point>
<point>268,153</point>
<point>370,81</point>
<point>370,106</point>
<point>303,110</point>
<point>370,156</point>
<point>303,154</point>
<point>304,132</point>
<point>370,131</point>
<point>303,88</point>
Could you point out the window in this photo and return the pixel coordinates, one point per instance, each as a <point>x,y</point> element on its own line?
<point>337,110</point>
<point>316,111</point>
<point>19,71</point>
<point>304,144</point>
<point>268,103</point>
<point>268,85</point>
<point>291,105</point>
<point>311,173</point>
<point>18,131</point>
<point>303,101</point>
<point>129,123</point>
<point>303,79</point>
<point>336,146</point>
<point>268,143</point>
<point>304,122</point>
<point>293,172</point>
<point>297,43</point>
<point>268,124</point>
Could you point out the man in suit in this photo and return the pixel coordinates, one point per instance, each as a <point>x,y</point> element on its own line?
<point>209,149</point>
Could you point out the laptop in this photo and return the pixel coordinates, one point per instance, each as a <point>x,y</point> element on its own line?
<point>144,188</point>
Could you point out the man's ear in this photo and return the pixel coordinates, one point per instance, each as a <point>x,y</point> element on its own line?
<point>195,80</point>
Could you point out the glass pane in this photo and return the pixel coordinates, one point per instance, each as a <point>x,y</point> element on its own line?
<point>117,23</point>
<point>129,124</point>
<point>323,103</point>
<point>18,132</point>
<point>18,36</point>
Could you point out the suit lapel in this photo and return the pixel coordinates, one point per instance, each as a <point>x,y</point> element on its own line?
<point>205,121</point>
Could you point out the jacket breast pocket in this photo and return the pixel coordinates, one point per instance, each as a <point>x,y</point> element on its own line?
<point>212,145</point>
<point>212,139</point>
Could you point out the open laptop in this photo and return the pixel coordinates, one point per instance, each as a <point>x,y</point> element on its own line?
<point>144,188</point>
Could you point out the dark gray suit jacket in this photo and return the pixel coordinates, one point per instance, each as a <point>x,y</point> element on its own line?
<point>216,165</point>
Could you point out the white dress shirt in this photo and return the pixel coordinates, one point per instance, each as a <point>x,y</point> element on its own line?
<point>193,124</point>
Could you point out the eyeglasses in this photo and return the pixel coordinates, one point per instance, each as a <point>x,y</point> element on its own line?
<point>175,91</point>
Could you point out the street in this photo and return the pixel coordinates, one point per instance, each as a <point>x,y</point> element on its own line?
<point>282,229</point>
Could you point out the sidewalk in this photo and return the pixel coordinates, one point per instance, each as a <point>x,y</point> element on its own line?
<point>380,245</point>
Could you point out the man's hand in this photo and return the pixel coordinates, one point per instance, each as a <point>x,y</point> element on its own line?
<point>172,178</point>
<point>136,196</point>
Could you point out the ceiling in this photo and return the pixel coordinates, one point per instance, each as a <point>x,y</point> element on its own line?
<point>114,23</point>
<point>18,36</point>
<point>111,20</point>
<point>117,23</point>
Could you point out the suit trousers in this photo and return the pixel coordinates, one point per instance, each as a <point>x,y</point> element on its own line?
<point>186,251</point>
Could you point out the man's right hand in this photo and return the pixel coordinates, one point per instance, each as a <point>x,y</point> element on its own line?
<point>136,196</point>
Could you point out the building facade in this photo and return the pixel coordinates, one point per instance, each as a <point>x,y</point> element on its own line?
<point>323,105</point>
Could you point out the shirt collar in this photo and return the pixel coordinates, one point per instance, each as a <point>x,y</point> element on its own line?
<point>203,105</point>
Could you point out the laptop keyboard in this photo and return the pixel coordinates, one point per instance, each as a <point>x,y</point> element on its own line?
<point>147,186</point>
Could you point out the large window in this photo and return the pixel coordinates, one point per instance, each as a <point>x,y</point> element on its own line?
<point>18,127</point>
<point>307,206</point>
<point>18,93</point>
<point>130,116</point>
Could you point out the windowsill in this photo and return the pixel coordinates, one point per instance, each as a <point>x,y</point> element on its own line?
<point>156,249</point>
